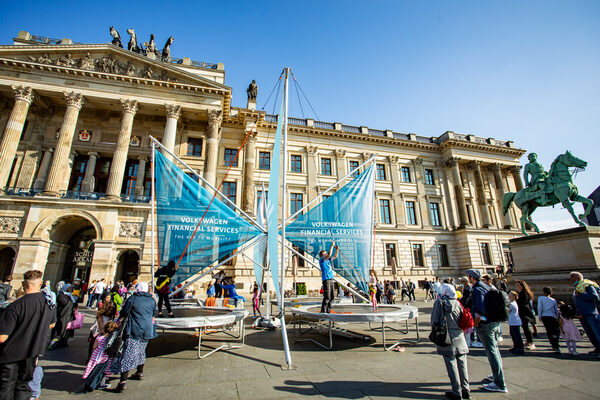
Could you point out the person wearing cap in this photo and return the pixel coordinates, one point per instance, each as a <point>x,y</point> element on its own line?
<point>488,332</point>
<point>138,332</point>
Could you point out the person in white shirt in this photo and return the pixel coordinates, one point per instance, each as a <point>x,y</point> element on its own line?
<point>98,290</point>
<point>548,313</point>
<point>514,324</point>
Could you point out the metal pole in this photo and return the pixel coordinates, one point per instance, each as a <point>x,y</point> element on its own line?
<point>153,223</point>
<point>286,346</point>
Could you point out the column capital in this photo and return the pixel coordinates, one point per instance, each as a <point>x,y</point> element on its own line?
<point>366,155</point>
<point>129,106</point>
<point>312,150</point>
<point>74,99</point>
<point>515,169</point>
<point>92,154</point>
<point>215,116</point>
<point>452,161</point>
<point>340,153</point>
<point>23,93</point>
<point>48,148</point>
<point>394,159</point>
<point>173,111</point>
<point>475,164</point>
<point>417,161</point>
<point>496,167</point>
<point>143,158</point>
<point>440,163</point>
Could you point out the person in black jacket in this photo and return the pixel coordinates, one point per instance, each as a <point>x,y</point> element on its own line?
<point>525,301</point>
<point>138,314</point>
<point>163,286</point>
<point>65,313</point>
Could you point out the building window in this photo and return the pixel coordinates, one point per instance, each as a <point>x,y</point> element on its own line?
<point>231,158</point>
<point>384,208</point>
<point>78,173</point>
<point>390,254</point>
<point>131,170</point>
<point>353,166</point>
<point>381,172</point>
<point>229,190</point>
<point>429,177</point>
<point>300,260</point>
<point>101,174</point>
<point>296,163</point>
<point>296,202</point>
<point>194,177</point>
<point>406,174</point>
<point>194,147</point>
<point>411,215</point>
<point>418,254</point>
<point>434,211</point>
<point>443,255</point>
<point>485,253</point>
<point>508,258</point>
<point>325,166</point>
<point>264,160</point>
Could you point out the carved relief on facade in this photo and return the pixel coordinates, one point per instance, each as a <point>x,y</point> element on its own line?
<point>130,230</point>
<point>10,224</point>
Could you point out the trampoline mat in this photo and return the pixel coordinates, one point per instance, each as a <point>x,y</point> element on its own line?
<point>193,312</point>
<point>201,317</point>
<point>355,309</point>
<point>359,313</point>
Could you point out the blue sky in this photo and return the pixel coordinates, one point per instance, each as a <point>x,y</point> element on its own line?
<point>525,71</point>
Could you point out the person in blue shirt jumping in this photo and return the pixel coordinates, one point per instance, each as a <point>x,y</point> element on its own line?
<point>327,276</point>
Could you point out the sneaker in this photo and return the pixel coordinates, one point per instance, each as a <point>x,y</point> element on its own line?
<point>492,387</point>
<point>104,386</point>
<point>466,394</point>
<point>500,339</point>
<point>530,346</point>
<point>452,396</point>
<point>477,344</point>
<point>489,378</point>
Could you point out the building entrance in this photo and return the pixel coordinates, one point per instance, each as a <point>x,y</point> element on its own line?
<point>128,267</point>
<point>7,262</point>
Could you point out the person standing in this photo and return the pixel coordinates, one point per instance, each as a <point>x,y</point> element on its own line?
<point>586,298</point>
<point>327,276</point>
<point>65,313</point>
<point>427,288</point>
<point>488,332</point>
<point>548,313</point>
<point>24,329</point>
<point>256,300</point>
<point>447,308</point>
<point>98,291</point>
<point>411,291</point>
<point>514,324</point>
<point>525,301</point>
<point>6,290</point>
<point>163,286</point>
<point>570,333</point>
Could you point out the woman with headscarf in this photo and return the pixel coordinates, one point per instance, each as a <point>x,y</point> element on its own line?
<point>138,311</point>
<point>447,308</point>
<point>65,313</point>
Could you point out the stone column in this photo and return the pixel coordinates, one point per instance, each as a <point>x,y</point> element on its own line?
<point>515,170</point>
<point>340,163</point>
<point>117,167</point>
<point>500,191</point>
<point>43,172</point>
<point>67,176</point>
<point>398,198</point>
<point>60,161</point>
<point>445,185</point>
<point>173,114</point>
<point>311,172</point>
<point>212,146</point>
<point>249,166</point>
<point>88,184</point>
<point>461,205</point>
<point>481,196</point>
<point>423,204</point>
<point>13,131</point>
<point>141,174</point>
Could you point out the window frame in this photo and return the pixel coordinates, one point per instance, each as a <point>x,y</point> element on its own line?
<point>385,205</point>
<point>294,202</point>
<point>192,146</point>
<point>232,154</point>
<point>443,255</point>
<point>486,259</point>
<point>295,160</point>
<point>429,177</point>
<point>353,164</point>
<point>380,168</point>
<point>326,161</point>
<point>405,174</point>
<point>434,207</point>
<point>390,253</point>
<point>227,192</point>
<point>412,206</point>
<point>421,254</point>
<point>262,157</point>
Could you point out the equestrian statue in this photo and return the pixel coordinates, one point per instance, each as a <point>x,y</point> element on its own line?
<point>545,189</point>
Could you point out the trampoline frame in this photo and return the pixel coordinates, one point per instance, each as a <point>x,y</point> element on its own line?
<point>319,324</point>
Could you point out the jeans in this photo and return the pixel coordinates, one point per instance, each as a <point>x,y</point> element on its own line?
<point>36,384</point>
<point>327,295</point>
<point>456,366</point>
<point>552,330</point>
<point>489,333</point>
<point>591,326</point>
<point>515,334</point>
<point>93,299</point>
<point>14,379</point>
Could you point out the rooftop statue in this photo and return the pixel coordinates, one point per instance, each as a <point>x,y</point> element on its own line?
<point>116,37</point>
<point>151,46</point>
<point>166,53</point>
<point>132,45</point>
<point>547,189</point>
<point>252,90</point>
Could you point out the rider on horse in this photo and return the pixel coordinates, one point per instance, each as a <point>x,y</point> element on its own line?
<point>536,186</point>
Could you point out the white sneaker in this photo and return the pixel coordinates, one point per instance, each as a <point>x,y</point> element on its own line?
<point>492,387</point>
<point>477,344</point>
<point>500,339</point>
<point>489,378</point>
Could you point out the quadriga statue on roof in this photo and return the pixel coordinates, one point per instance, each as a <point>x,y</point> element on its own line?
<point>548,188</point>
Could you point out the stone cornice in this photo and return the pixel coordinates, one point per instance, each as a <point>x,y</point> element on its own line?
<point>460,144</point>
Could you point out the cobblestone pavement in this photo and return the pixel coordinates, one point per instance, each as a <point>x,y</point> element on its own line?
<point>352,370</point>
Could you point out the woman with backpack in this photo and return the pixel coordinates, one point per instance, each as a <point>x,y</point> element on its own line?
<point>448,310</point>
<point>525,301</point>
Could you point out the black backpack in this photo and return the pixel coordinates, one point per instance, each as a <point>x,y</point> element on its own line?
<point>497,305</point>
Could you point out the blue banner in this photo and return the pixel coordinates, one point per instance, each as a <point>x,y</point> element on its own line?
<point>347,218</point>
<point>181,202</point>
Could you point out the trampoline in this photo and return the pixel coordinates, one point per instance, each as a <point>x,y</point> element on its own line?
<point>355,313</point>
<point>295,302</point>
<point>207,321</point>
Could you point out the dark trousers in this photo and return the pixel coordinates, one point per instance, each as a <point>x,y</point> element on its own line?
<point>411,293</point>
<point>552,330</point>
<point>515,334</point>
<point>164,297</point>
<point>527,331</point>
<point>327,296</point>
<point>218,290</point>
<point>14,379</point>
<point>591,326</point>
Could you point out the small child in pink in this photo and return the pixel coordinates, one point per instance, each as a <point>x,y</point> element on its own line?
<point>99,355</point>
<point>256,300</point>
<point>570,333</point>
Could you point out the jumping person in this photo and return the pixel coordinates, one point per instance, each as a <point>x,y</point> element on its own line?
<point>163,278</point>
<point>327,276</point>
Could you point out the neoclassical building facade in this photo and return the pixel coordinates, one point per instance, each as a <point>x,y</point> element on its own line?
<point>75,167</point>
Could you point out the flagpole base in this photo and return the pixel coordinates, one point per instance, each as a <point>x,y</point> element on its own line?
<point>289,367</point>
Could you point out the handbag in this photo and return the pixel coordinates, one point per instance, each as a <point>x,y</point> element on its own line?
<point>77,322</point>
<point>466,319</point>
<point>439,333</point>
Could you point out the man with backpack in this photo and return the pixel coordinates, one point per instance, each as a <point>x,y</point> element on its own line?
<point>489,310</point>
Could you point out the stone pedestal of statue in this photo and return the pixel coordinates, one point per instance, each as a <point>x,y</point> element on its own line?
<point>548,258</point>
<point>251,104</point>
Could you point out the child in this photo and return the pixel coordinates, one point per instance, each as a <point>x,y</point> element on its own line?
<point>99,361</point>
<point>373,289</point>
<point>256,300</point>
<point>548,313</point>
<point>514,323</point>
<point>570,333</point>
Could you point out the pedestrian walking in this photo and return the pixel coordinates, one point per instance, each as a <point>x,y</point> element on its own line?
<point>514,324</point>
<point>525,301</point>
<point>548,313</point>
<point>570,333</point>
<point>586,298</point>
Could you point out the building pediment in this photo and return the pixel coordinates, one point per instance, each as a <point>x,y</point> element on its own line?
<point>108,62</point>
